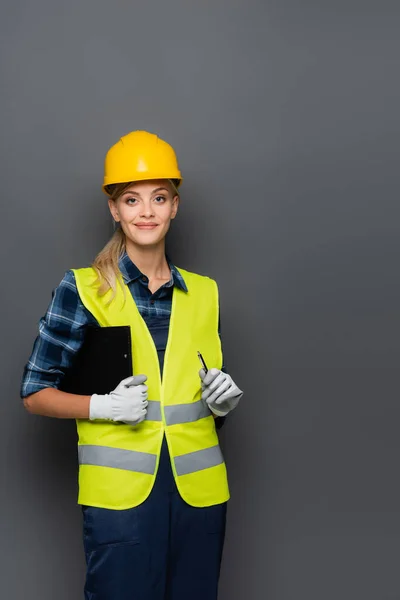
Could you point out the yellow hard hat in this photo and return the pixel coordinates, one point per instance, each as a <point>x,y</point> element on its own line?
<point>138,156</point>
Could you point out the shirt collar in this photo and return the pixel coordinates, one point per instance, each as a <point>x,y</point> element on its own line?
<point>130,272</point>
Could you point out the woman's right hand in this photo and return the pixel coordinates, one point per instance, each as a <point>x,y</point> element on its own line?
<point>127,403</point>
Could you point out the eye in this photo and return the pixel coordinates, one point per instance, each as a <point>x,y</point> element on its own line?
<point>131,201</point>
<point>159,199</point>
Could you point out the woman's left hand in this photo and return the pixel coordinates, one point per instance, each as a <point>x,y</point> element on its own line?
<point>219,391</point>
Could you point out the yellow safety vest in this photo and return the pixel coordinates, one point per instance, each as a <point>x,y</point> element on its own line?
<point>118,462</point>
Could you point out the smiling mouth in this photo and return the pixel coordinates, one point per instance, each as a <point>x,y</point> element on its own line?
<point>145,226</point>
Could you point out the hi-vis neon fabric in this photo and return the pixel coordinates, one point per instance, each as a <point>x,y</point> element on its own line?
<point>118,462</point>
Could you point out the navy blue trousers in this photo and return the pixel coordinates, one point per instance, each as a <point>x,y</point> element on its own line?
<point>163,549</point>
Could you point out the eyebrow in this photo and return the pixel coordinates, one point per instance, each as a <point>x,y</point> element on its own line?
<point>137,194</point>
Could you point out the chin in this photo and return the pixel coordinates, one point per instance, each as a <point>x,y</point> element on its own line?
<point>146,240</point>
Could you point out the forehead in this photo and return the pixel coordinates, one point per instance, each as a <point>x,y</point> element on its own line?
<point>143,187</point>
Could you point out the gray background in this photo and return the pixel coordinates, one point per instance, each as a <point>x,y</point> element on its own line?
<point>284,115</point>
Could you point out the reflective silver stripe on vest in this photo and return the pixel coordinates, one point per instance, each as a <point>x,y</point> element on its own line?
<point>186,413</point>
<point>153,411</point>
<point>129,460</point>
<point>197,461</point>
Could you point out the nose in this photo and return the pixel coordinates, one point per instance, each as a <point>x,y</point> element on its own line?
<point>147,209</point>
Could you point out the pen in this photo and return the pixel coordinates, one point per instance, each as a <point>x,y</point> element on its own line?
<point>203,364</point>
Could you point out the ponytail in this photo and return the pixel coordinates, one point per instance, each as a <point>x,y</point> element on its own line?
<point>106,264</point>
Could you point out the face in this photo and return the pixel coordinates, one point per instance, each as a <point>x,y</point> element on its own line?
<point>145,210</point>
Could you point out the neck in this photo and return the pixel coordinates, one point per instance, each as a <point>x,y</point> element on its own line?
<point>150,261</point>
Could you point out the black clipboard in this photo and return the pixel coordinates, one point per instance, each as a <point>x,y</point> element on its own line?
<point>104,359</point>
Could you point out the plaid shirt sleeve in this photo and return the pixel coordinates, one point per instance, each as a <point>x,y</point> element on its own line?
<point>61,333</point>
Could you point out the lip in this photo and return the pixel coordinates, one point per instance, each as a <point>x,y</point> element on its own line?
<point>146,225</point>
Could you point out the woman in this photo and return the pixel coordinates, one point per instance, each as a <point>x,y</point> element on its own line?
<point>117,351</point>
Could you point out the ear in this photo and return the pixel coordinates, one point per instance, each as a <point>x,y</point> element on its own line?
<point>113,210</point>
<point>175,206</point>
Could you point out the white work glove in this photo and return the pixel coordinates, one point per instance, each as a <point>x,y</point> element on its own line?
<point>219,391</point>
<point>127,403</point>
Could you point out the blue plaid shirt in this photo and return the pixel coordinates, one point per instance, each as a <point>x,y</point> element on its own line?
<point>62,329</point>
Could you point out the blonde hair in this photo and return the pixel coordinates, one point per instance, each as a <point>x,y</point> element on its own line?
<point>106,262</point>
